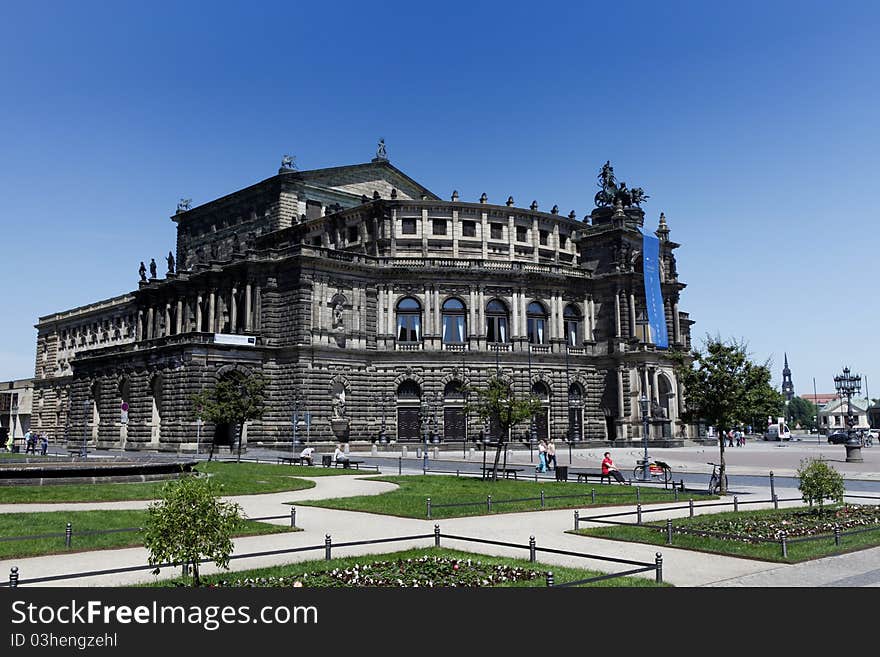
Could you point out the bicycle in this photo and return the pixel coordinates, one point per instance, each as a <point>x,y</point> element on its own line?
<point>715,480</point>
<point>657,471</point>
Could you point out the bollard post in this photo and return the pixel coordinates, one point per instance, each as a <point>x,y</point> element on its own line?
<point>638,494</point>
<point>784,544</point>
<point>837,534</point>
<point>436,535</point>
<point>668,531</point>
<point>638,514</point>
<point>428,507</point>
<point>681,484</point>
<point>536,476</point>
<point>293,516</point>
<point>691,506</point>
<point>13,577</point>
<point>68,534</point>
<point>399,465</point>
<point>775,501</point>
<point>735,504</point>
<point>674,493</point>
<point>593,495</point>
<point>658,561</point>
<point>327,545</point>
<point>489,503</point>
<point>772,487</point>
<point>542,499</point>
<point>456,473</point>
<point>577,519</point>
<point>549,578</point>
<point>532,549</point>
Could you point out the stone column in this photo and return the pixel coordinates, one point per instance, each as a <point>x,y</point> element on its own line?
<point>555,244</point>
<point>654,388</point>
<point>514,306</point>
<point>536,239</point>
<point>484,234</point>
<point>617,327</point>
<point>178,327</point>
<point>167,328</point>
<point>139,329</point>
<point>233,310</point>
<point>676,325</point>
<point>211,307</point>
<point>481,312</point>
<point>258,308</point>
<point>381,322</point>
<point>621,409</point>
<point>472,311</point>
<point>248,313</point>
<point>389,297</point>
<point>632,314</point>
<point>198,314</point>
<point>150,323</point>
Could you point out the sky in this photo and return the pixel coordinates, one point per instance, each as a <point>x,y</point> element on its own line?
<point>751,125</point>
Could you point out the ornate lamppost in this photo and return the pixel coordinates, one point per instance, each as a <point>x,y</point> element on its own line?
<point>644,407</point>
<point>425,420</point>
<point>848,385</point>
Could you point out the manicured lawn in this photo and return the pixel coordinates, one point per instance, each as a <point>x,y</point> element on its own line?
<point>429,567</point>
<point>30,524</point>
<point>409,499</point>
<point>745,529</point>
<point>236,479</point>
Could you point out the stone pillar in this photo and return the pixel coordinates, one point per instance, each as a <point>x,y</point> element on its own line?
<point>381,322</point>
<point>258,308</point>
<point>536,239</point>
<point>233,310</point>
<point>166,330</point>
<point>198,314</point>
<point>211,307</point>
<point>484,234</point>
<point>514,306</point>
<point>389,297</point>
<point>617,327</point>
<point>178,325</point>
<point>472,311</point>
<point>591,319</point>
<point>248,313</point>
<point>150,323</point>
<point>676,325</point>
<point>555,244</point>
<point>632,314</point>
<point>654,388</point>
<point>139,329</point>
<point>621,409</point>
<point>481,312</point>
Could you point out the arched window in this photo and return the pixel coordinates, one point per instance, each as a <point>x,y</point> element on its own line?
<point>409,389</point>
<point>537,323</point>
<point>496,322</point>
<point>454,322</point>
<point>571,317</point>
<point>409,320</point>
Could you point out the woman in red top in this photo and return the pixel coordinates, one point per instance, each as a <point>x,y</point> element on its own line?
<point>608,468</point>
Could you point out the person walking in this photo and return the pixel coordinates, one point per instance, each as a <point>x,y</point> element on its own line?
<point>542,456</point>
<point>44,444</point>
<point>551,454</point>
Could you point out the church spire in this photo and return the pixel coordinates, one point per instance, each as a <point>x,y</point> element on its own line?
<point>787,385</point>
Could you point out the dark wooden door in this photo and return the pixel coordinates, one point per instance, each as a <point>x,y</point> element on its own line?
<point>453,423</point>
<point>541,426</point>
<point>408,423</point>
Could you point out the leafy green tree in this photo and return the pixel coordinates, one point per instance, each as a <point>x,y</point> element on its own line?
<point>498,402</point>
<point>722,387</point>
<point>233,400</point>
<point>819,481</point>
<point>802,412</point>
<point>190,523</point>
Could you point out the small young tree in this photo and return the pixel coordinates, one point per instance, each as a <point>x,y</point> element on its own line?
<point>819,481</point>
<point>190,523</point>
<point>499,402</point>
<point>233,400</point>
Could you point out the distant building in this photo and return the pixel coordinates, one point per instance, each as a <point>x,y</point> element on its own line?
<point>787,385</point>
<point>874,415</point>
<point>821,398</point>
<point>832,416</point>
<point>16,402</point>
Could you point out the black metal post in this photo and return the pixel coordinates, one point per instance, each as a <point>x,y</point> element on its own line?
<point>577,519</point>
<point>532,548</point>
<point>436,535</point>
<point>735,504</point>
<point>549,579</point>
<point>13,577</point>
<point>775,502</point>
<point>542,499</point>
<point>837,534</point>
<point>772,487</point>
<point>691,507</point>
<point>593,495</point>
<point>668,531</point>
<point>68,534</point>
<point>399,465</point>
<point>428,507</point>
<point>327,546</point>
<point>489,503</point>
<point>638,514</point>
<point>784,544</point>
<point>293,516</point>
<point>658,562</point>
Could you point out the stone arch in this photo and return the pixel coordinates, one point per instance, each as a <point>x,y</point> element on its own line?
<point>400,378</point>
<point>454,376</point>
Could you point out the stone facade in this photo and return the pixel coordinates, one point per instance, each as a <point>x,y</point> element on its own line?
<point>368,302</point>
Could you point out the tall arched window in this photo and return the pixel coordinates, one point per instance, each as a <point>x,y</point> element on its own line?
<point>537,323</point>
<point>496,322</point>
<point>454,322</point>
<point>409,320</point>
<point>571,317</point>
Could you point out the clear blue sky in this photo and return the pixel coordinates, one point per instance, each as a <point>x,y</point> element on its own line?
<point>752,125</point>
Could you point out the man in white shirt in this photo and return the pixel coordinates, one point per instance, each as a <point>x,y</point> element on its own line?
<point>340,456</point>
<point>306,456</point>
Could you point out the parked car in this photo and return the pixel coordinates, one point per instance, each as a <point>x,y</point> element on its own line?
<point>773,433</point>
<point>838,438</point>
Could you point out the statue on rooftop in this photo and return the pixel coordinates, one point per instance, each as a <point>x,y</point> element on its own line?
<point>142,270</point>
<point>152,268</point>
<point>380,150</point>
<point>610,193</point>
<point>170,260</point>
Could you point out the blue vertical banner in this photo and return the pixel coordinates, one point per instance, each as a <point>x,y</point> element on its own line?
<point>653,295</point>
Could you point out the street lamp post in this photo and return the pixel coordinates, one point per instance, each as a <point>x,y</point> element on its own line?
<point>643,407</point>
<point>84,452</point>
<point>425,420</point>
<point>295,421</point>
<point>847,385</point>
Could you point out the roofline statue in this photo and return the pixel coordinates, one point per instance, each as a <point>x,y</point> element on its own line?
<point>610,193</point>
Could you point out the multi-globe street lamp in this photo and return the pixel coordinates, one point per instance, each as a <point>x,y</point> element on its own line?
<point>644,408</point>
<point>848,385</point>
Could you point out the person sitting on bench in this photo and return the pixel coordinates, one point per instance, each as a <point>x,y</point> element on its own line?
<point>340,456</point>
<point>306,456</point>
<point>610,470</point>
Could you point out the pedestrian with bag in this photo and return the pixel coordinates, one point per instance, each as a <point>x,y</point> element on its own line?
<point>542,456</point>
<point>551,454</point>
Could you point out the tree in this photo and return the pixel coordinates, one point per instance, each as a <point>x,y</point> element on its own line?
<point>233,400</point>
<point>802,412</point>
<point>819,481</point>
<point>722,387</point>
<point>190,523</point>
<point>499,402</point>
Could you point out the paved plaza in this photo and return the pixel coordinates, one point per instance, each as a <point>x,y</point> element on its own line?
<point>680,567</point>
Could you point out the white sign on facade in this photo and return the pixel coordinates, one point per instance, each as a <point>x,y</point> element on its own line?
<point>239,340</point>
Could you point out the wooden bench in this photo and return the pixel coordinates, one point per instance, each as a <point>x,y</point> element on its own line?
<point>584,475</point>
<point>505,472</point>
<point>293,460</point>
<point>327,461</point>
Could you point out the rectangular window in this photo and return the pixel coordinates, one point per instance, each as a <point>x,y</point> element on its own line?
<point>316,241</point>
<point>522,234</point>
<point>468,228</point>
<point>496,329</point>
<point>562,240</point>
<point>497,231</point>
<point>409,328</point>
<point>544,236</point>
<point>352,234</point>
<point>408,226</point>
<point>439,226</point>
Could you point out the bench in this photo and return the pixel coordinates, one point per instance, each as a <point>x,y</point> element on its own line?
<point>584,475</point>
<point>505,472</point>
<point>293,460</point>
<point>328,462</point>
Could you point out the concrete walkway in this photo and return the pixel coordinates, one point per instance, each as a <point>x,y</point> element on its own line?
<point>680,567</point>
